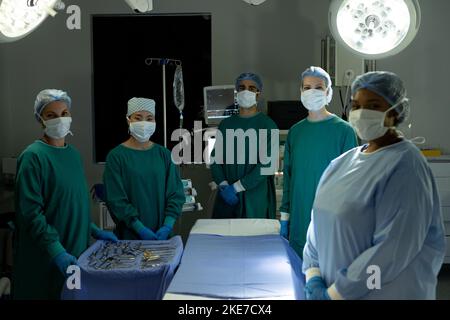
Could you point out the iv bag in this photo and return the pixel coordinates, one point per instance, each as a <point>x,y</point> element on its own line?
<point>178,88</point>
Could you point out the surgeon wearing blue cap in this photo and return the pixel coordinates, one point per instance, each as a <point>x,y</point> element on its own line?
<point>53,221</point>
<point>311,145</point>
<point>144,192</point>
<point>245,190</point>
<point>376,229</point>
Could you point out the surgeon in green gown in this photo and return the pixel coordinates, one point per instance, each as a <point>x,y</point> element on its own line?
<point>311,145</point>
<point>53,222</point>
<point>245,179</point>
<point>144,191</point>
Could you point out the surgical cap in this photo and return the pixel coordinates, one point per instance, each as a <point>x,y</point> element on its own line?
<point>250,76</point>
<point>47,96</point>
<point>387,85</point>
<point>140,104</point>
<point>318,72</point>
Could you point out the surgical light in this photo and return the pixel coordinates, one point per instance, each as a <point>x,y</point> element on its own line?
<point>374,29</point>
<point>18,18</point>
<point>140,6</point>
<point>254,2</point>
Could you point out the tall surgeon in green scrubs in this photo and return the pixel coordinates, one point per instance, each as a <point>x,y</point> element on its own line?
<point>244,192</point>
<point>144,191</point>
<point>311,145</point>
<point>53,220</point>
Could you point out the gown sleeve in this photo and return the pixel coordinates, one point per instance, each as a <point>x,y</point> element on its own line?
<point>30,205</point>
<point>175,197</point>
<point>116,195</point>
<point>310,256</point>
<point>350,140</point>
<point>217,171</point>
<point>255,177</point>
<point>285,202</point>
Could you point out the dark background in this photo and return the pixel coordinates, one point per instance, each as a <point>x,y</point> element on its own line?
<point>120,45</point>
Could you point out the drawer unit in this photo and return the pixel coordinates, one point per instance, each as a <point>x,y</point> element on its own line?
<point>440,169</point>
<point>441,173</point>
<point>447,257</point>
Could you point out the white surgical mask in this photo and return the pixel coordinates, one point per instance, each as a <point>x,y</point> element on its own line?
<point>142,130</point>
<point>57,128</point>
<point>246,99</point>
<point>314,99</point>
<point>369,124</point>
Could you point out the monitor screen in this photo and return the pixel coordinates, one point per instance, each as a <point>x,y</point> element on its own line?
<point>286,113</point>
<point>219,103</point>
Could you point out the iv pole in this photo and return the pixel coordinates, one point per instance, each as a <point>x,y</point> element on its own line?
<point>163,62</point>
<point>180,105</point>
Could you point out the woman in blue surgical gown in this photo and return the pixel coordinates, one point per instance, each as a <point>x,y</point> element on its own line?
<point>376,229</point>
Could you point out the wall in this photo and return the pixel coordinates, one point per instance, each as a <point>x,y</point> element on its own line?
<point>5,128</point>
<point>278,40</point>
<point>425,67</point>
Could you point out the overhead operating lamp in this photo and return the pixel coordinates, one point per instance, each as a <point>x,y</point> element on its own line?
<point>140,6</point>
<point>374,29</point>
<point>254,2</point>
<point>18,18</point>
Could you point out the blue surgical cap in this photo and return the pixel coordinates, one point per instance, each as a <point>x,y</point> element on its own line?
<point>48,96</point>
<point>250,76</point>
<point>387,85</point>
<point>318,72</point>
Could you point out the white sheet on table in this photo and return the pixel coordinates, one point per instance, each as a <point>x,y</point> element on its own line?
<point>236,227</point>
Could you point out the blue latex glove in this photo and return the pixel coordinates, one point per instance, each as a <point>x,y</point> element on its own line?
<point>316,289</point>
<point>105,235</point>
<point>163,232</point>
<point>229,195</point>
<point>63,261</point>
<point>147,234</point>
<point>284,230</point>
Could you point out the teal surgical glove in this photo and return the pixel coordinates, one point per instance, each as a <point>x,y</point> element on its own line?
<point>229,195</point>
<point>143,232</point>
<point>316,289</point>
<point>284,230</point>
<point>147,234</point>
<point>163,233</point>
<point>63,261</point>
<point>105,235</point>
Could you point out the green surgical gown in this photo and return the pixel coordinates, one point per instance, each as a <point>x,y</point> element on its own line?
<point>143,185</point>
<point>52,215</point>
<point>309,148</point>
<point>258,200</point>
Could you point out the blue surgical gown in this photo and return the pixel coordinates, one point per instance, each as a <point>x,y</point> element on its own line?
<point>380,209</point>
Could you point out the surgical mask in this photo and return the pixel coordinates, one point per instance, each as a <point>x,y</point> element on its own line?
<point>314,99</point>
<point>57,128</point>
<point>142,130</point>
<point>369,124</point>
<point>246,99</point>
